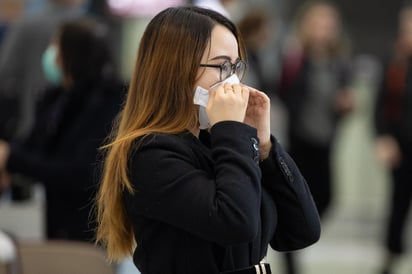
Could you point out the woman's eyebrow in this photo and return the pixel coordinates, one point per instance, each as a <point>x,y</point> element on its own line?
<point>225,57</point>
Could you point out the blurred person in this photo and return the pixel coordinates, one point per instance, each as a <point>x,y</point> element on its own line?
<point>20,64</point>
<point>254,27</point>
<point>216,5</point>
<point>193,181</point>
<point>10,10</point>
<point>393,122</point>
<point>72,120</point>
<point>257,32</point>
<point>314,86</point>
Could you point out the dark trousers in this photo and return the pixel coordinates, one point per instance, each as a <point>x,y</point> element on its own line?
<point>399,204</point>
<point>314,163</point>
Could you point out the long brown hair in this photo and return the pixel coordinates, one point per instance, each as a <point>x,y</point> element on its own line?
<point>159,100</point>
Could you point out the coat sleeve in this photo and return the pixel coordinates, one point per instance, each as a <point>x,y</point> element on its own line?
<point>298,220</point>
<point>170,187</point>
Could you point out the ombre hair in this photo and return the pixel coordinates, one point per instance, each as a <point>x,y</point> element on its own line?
<point>159,100</point>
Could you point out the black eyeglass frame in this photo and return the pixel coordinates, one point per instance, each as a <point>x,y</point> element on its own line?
<point>232,66</point>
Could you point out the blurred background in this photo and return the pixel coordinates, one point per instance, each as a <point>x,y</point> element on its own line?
<point>357,210</point>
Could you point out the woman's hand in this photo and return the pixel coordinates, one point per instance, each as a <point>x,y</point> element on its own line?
<point>388,152</point>
<point>4,176</point>
<point>4,154</point>
<point>227,103</point>
<point>344,101</point>
<point>4,181</point>
<point>258,116</point>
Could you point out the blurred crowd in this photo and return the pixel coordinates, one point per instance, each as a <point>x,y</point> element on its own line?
<point>63,77</point>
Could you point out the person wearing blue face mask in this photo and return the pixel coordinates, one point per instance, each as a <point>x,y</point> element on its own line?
<point>51,70</point>
<point>72,120</point>
<point>22,79</point>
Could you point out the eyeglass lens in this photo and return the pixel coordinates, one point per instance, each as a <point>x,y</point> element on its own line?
<point>228,69</point>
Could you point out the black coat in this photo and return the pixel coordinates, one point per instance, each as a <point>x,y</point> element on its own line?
<point>200,209</point>
<point>393,106</point>
<point>294,92</point>
<point>62,149</point>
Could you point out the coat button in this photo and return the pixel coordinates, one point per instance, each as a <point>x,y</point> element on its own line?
<point>256,158</point>
<point>255,145</point>
<point>254,140</point>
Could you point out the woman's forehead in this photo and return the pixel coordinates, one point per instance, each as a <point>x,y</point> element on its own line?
<point>223,43</point>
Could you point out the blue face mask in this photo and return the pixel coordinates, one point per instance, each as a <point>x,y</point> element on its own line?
<point>51,70</point>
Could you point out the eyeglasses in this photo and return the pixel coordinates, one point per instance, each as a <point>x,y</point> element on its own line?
<point>227,69</point>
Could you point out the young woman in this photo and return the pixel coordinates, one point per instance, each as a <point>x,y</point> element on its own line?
<point>315,89</point>
<point>188,200</point>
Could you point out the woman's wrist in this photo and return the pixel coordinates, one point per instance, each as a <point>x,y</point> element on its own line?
<point>264,149</point>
